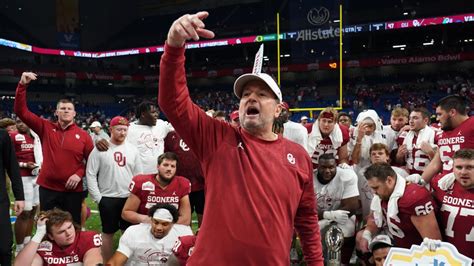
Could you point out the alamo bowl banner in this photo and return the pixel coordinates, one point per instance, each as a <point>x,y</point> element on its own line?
<point>445,255</point>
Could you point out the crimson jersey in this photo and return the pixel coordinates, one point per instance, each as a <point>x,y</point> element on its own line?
<point>449,142</point>
<point>183,248</point>
<point>416,200</point>
<point>52,254</point>
<point>24,144</point>
<point>148,190</point>
<point>189,165</point>
<point>325,146</point>
<point>456,216</point>
<point>416,160</point>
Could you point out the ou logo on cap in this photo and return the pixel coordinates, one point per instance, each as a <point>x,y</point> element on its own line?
<point>291,158</point>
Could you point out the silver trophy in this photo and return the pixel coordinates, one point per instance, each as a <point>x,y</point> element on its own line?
<point>334,239</point>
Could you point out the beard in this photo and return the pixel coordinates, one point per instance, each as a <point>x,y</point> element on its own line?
<point>448,125</point>
<point>165,180</point>
<point>321,179</point>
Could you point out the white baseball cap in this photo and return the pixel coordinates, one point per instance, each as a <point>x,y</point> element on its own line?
<point>245,78</point>
<point>303,118</point>
<point>95,124</point>
<point>380,239</point>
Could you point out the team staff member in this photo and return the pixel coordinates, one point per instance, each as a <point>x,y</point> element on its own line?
<point>258,184</point>
<point>108,175</point>
<point>66,147</point>
<point>9,163</point>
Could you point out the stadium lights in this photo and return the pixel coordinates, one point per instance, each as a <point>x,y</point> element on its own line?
<point>405,13</point>
<point>399,46</point>
<point>336,20</point>
<point>285,55</point>
<point>428,43</point>
<point>403,48</point>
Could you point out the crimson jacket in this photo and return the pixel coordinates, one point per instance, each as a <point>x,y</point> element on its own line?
<point>256,190</point>
<point>65,151</point>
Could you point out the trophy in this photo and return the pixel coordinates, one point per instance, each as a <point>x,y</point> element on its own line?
<point>334,239</point>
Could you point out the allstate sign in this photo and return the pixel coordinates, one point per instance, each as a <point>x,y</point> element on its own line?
<point>445,255</point>
<point>318,16</point>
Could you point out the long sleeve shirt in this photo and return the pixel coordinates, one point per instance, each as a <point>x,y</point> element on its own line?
<point>65,150</point>
<point>110,172</point>
<point>256,190</point>
<point>9,164</point>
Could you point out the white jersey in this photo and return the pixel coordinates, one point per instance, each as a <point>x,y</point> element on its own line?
<point>150,142</point>
<point>296,133</point>
<point>142,248</point>
<point>391,136</point>
<point>110,172</point>
<point>342,186</point>
<point>330,195</point>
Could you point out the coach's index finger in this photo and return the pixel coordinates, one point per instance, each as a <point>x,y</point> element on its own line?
<point>188,27</point>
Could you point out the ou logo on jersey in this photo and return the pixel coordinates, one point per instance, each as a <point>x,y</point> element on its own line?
<point>120,159</point>
<point>183,145</point>
<point>291,158</point>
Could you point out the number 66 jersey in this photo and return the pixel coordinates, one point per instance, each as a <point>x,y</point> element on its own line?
<point>457,216</point>
<point>416,201</point>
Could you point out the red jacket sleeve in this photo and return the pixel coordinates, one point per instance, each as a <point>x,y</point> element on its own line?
<point>21,109</point>
<point>88,147</point>
<point>201,133</point>
<point>306,224</point>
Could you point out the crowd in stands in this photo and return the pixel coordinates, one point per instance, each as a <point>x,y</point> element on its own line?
<point>337,148</point>
<point>358,95</point>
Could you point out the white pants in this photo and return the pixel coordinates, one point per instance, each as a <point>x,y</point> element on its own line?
<point>31,190</point>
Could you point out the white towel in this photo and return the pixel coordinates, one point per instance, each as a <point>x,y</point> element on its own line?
<point>392,208</point>
<point>376,137</point>
<point>426,134</point>
<point>37,149</point>
<point>315,137</point>
<point>446,182</point>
